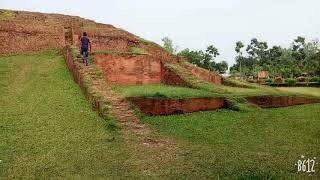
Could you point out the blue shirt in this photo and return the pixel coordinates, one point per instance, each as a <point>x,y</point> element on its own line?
<point>85,42</point>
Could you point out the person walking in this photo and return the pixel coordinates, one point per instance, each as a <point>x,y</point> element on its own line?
<point>85,48</point>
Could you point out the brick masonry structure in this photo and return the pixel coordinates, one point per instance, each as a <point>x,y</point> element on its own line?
<point>130,69</point>
<point>280,101</point>
<point>30,31</point>
<point>153,106</point>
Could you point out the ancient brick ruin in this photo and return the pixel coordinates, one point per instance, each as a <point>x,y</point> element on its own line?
<point>29,31</point>
<point>280,101</point>
<point>155,106</point>
<point>130,69</point>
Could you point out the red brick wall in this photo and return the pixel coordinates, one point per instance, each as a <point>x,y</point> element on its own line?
<point>280,101</point>
<point>153,106</point>
<point>14,41</point>
<point>130,69</point>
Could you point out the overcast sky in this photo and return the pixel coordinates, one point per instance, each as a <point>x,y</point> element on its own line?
<point>195,24</point>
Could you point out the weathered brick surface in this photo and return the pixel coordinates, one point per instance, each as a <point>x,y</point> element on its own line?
<point>153,106</point>
<point>12,42</point>
<point>130,69</point>
<point>280,101</point>
<point>29,31</point>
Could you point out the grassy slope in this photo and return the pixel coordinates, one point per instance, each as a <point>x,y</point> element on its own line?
<point>260,144</point>
<point>235,88</point>
<point>180,92</point>
<point>48,128</point>
<point>162,90</point>
<point>304,90</point>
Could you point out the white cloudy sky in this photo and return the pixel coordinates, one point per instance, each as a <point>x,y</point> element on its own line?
<point>195,24</point>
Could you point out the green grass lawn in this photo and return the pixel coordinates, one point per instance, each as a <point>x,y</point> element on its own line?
<point>304,90</point>
<point>257,144</point>
<point>47,127</point>
<point>161,90</point>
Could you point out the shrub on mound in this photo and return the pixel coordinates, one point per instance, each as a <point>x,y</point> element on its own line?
<point>268,81</point>
<point>291,82</point>
<point>278,80</point>
<point>302,79</point>
<point>237,83</point>
<point>315,79</point>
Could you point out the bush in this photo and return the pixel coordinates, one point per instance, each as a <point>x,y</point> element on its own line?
<point>278,80</point>
<point>302,79</point>
<point>268,81</point>
<point>291,82</point>
<point>251,81</point>
<point>315,79</point>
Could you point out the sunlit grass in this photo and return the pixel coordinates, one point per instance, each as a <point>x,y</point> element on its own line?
<point>48,128</point>
<point>260,144</point>
<point>303,90</point>
<point>161,90</point>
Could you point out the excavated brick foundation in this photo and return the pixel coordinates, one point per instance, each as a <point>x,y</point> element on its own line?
<point>129,69</point>
<point>153,106</point>
<point>280,101</point>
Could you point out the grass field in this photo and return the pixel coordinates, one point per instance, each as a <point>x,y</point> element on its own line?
<point>261,144</point>
<point>47,128</point>
<point>304,90</point>
<point>161,90</point>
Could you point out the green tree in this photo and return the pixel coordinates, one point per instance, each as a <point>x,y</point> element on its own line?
<point>222,67</point>
<point>168,45</point>
<point>205,59</point>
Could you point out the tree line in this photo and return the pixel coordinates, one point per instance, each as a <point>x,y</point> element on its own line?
<point>203,59</point>
<point>301,58</point>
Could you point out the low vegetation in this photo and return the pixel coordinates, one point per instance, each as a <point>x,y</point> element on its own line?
<point>231,87</point>
<point>302,90</point>
<point>238,83</point>
<point>163,91</point>
<point>6,15</point>
<point>139,51</point>
<point>48,128</point>
<point>131,51</point>
<point>148,42</point>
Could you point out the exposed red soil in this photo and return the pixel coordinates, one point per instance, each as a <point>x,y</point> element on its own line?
<point>280,101</point>
<point>153,106</point>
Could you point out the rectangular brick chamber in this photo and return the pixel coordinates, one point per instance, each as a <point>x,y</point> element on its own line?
<point>280,101</point>
<point>130,69</point>
<point>156,106</point>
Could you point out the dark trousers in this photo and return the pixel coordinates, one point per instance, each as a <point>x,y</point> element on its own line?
<point>85,54</point>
